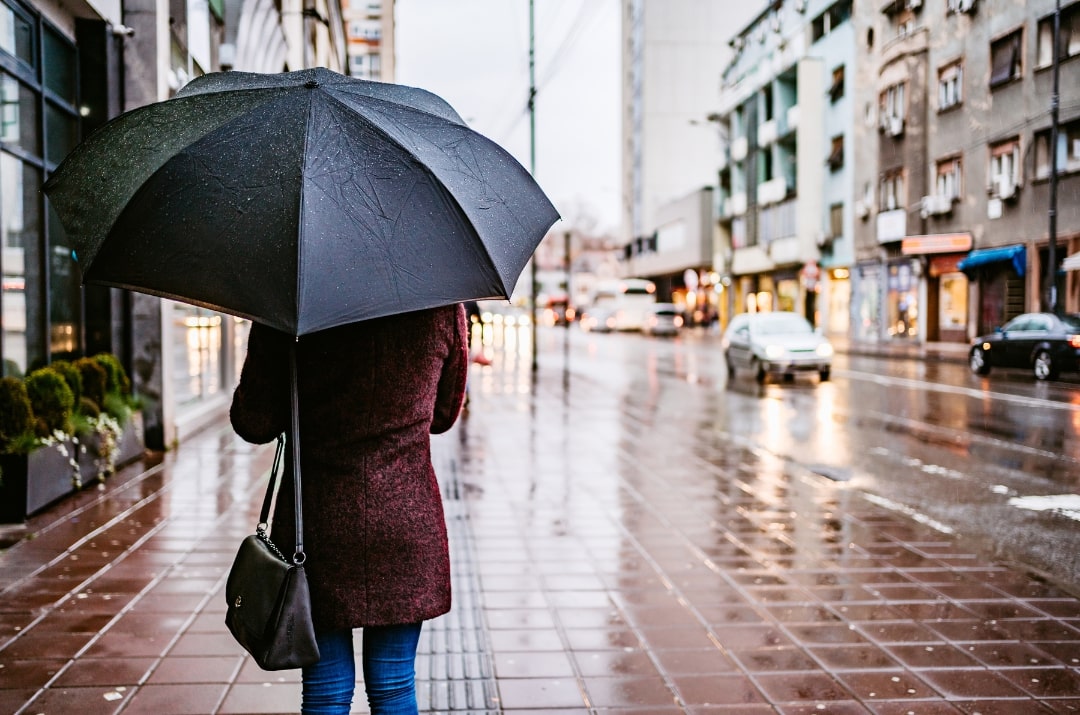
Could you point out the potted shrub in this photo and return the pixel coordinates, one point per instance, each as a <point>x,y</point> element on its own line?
<point>37,454</point>
<point>109,424</point>
<point>64,426</point>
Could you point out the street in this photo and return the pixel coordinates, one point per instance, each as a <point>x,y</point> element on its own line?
<point>972,457</point>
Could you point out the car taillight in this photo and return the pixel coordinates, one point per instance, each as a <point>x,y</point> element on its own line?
<point>1074,341</point>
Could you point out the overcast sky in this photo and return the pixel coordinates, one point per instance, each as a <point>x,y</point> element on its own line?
<point>475,54</point>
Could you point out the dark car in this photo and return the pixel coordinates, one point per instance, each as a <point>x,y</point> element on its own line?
<point>1044,343</point>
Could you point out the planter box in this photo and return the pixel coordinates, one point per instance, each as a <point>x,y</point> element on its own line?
<point>131,445</point>
<point>33,481</point>
<point>129,448</point>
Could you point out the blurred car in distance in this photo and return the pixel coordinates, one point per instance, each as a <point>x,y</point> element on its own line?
<point>776,343</point>
<point>662,319</point>
<point>1044,343</point>
<point>598,319</point>
<point>503,313</point>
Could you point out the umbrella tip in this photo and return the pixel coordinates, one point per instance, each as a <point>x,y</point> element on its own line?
<point>311,83</point>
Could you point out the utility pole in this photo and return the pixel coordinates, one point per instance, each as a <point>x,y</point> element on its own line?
<point>532,161</point>
<point>1051,257</point>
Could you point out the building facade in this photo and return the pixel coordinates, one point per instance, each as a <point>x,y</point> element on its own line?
<point>673,52</point>
<point>955,236</point>
<point>888,166</point>
<point>66,69</point>
<point>369,30</point>
<point>786,177</point>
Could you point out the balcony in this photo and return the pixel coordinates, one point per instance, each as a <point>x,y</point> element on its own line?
<point>735,205</point>
<point>773,191</point>
<point>767,133</point>
<point>739,149</point>
<point>789,120</point>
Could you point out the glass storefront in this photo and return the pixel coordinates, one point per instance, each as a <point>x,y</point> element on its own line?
<point>953,302</point>
<point>902,301</point>
<point>38,127</point>
<point>866,308</point>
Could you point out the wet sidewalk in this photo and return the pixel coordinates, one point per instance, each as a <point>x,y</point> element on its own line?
<point>612,554</point>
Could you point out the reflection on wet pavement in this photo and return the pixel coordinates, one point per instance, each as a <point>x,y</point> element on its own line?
<point>619,545</point>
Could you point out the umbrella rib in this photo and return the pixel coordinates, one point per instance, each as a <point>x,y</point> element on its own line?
<point>382,132</point>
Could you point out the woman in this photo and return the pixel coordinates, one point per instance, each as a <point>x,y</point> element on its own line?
<point>370,394</point>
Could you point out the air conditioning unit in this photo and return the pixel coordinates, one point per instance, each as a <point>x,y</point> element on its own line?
<point>862,209</point>
<point>800,5</point>
<point>935,205</point>
<point>1006,187</point>
<point>914,4</point>
<point>965,6</point>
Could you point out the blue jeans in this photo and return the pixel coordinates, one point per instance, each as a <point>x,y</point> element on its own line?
<point>389,658</point>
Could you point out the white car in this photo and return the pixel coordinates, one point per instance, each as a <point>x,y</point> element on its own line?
<point>662,319</point>
<point>776,343</point>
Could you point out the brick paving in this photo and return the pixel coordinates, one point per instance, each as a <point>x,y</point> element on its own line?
<point>611,553</point>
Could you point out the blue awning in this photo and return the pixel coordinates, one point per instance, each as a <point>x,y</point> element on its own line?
<point>986,256</point>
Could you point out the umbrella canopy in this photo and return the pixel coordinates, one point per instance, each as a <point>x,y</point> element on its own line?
<point>302,200</point>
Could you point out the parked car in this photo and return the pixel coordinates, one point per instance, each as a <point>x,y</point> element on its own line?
<point>1044,343</point>
<point>778,343</point>
<point>662,319</point>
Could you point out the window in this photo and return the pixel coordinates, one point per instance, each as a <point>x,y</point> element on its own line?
<point>892,195</point>
<point>948,178</point>
<point>829,20</point>
<point>1004,168</point>
<point>1068,36</point>
<point>950,86</point>
<point>836,91</point>
<point>892,102</point>
<point>836,220</point>
<point>1068,150</point>
<point>1005,59</point>
<point>836,155</point>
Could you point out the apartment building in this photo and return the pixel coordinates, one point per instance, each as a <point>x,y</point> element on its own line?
<point>954,237</point>
<point>369,29</point>
<point>672,55</point>
<point>787,106</point>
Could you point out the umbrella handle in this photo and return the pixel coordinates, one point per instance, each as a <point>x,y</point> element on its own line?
<point>298,556</point>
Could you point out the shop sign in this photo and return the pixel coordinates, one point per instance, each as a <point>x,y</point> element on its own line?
<point>941,265</point>
<point>936,243</point>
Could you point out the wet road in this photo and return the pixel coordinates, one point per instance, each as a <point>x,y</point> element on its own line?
<point>994,461</point>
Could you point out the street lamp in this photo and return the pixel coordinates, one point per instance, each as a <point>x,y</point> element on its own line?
<point>1051,268</point>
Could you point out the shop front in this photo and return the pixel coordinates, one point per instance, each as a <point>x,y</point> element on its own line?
<point>946,314</point>
<point>998,276</point>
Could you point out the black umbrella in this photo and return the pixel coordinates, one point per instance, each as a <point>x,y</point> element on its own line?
<point>301,200</point>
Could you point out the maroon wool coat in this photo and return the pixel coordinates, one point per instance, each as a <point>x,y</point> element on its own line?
<point>369,393</point>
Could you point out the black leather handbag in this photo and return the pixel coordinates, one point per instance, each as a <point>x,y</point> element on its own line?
<point>269,605</point>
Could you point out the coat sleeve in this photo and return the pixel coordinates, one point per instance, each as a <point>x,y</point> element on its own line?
<point>260,405</point>
<point>451,390</point>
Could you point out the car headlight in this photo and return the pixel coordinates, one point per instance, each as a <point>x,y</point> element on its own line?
<point>774,351</point>
<point>825,350</point>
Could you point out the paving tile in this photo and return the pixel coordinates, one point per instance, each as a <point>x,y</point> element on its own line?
<point>606,662</point>
<point>643,691</point>
<point>177,699</point>
<point>265,699</point>
<point>196,669</point>
<point>109,672</point>
<point>968,683</point>
<point>872,685</point>
<point>517,693</point>
<point>90,700</point>
<point>722,689</point>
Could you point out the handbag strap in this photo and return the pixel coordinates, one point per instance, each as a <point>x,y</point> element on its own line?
<point>299,557</point>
